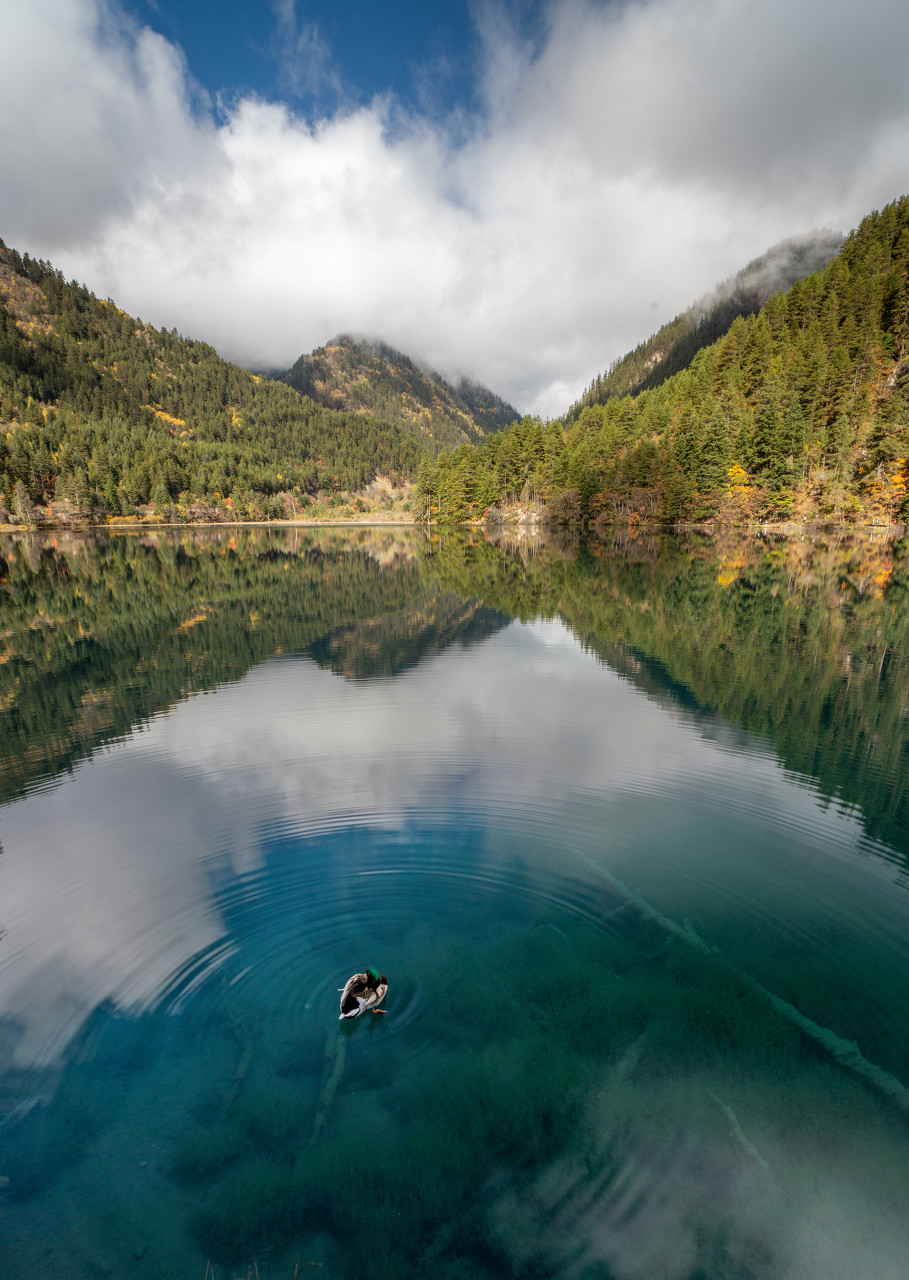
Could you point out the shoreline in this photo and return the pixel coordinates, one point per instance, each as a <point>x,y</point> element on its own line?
<point>152,526</point>
<point>757,528</point>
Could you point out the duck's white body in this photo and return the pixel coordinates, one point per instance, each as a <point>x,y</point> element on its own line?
<point>362,993</point>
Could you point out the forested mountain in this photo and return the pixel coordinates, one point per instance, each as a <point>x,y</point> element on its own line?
<point>374,378</point>
<point>798,412</point>
<point>675,345</point>
<point>103,412</point>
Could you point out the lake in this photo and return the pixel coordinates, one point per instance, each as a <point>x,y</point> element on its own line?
<point>625,824</point>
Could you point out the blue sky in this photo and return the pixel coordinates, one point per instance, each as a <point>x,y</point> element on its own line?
<point>425,53</point>
<point>515,192</point>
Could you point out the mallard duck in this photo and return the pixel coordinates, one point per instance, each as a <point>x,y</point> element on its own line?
<point>361,992</point>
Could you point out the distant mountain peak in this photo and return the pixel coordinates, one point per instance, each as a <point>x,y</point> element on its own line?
<point>366,375</point>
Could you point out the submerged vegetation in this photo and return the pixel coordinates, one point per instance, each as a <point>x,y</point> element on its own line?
<point>538,1090</point>
<point>583,1078</point>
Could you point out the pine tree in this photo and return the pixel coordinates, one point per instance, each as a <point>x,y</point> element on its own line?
<point>715,455</point>
<point>838,443</point>
<point>788,455</point>
<point>161,498</point>
<point>765,441</point>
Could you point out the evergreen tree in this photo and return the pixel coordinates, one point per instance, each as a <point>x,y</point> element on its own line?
<point>788,457</point>
<point>715,455</point>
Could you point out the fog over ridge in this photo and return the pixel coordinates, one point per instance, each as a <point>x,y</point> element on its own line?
<point>778,269</point>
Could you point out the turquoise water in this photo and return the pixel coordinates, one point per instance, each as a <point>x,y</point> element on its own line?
<point>646,1012</point>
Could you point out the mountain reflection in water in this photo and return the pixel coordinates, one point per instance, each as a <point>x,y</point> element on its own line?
<point>624,825</point>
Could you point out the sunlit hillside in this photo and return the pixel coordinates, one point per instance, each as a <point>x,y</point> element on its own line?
<point>104,413</point>
<point>374,378</point>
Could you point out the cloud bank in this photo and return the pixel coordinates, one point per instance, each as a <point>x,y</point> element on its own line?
<point>637,155</point>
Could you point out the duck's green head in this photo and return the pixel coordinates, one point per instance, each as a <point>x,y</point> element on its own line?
<point>373,975</point>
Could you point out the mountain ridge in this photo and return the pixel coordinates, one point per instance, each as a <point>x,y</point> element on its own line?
<point>369,376</point>
<point>677,342</point>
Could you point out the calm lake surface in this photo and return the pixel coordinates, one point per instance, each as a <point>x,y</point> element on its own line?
<point>625,825</point>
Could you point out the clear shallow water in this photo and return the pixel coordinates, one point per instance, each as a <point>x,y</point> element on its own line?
<point>646,1013</point>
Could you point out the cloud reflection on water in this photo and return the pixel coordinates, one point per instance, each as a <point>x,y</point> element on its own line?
<point>110,881</point>
<point>106,879</point>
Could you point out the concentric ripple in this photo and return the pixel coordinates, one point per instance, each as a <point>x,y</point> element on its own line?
<point>321,907</point>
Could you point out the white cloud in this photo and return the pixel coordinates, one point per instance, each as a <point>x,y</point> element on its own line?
<point>103,114</point>
<point>644,152</point>
<point>302,53</point>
